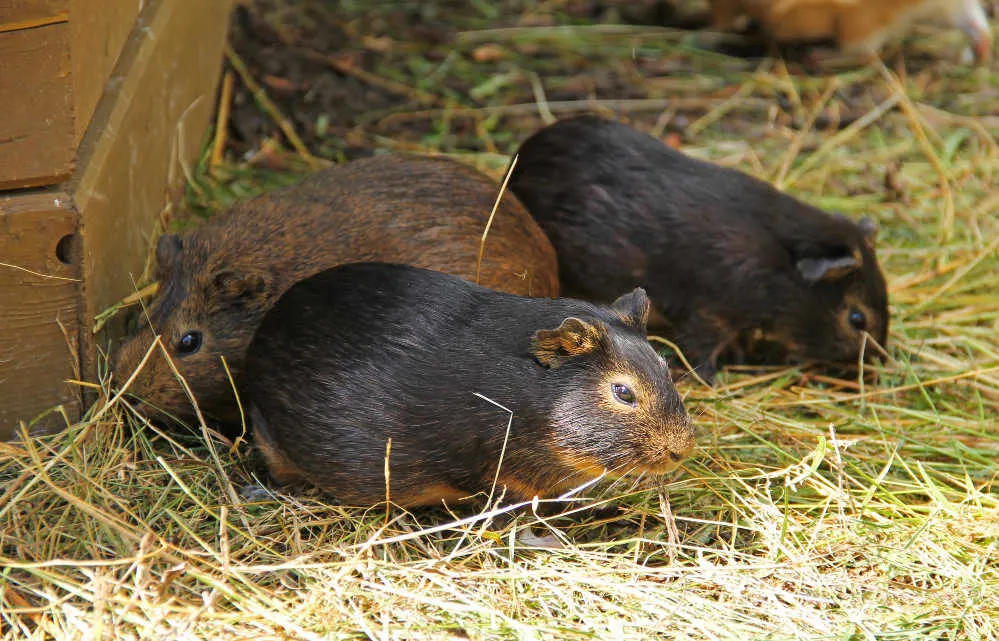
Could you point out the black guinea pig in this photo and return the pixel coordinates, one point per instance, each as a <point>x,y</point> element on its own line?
<point>367,352</point>
<point>722,255</point>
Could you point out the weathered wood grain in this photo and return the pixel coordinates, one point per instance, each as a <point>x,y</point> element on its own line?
<point>39,297</point>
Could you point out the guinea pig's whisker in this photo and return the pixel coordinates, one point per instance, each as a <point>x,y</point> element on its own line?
<point>618,480</point>
<point>621,474</point>
<point>633,480</point>
<point>565,478</point>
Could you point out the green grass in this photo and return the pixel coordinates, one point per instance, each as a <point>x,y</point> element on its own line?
<point>812,508</point>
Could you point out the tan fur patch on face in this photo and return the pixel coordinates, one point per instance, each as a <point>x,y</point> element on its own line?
<point>573,337</point>
<point>871,325</point>
<point>658,440</point>
<point>667,445</point>
<point>618,377</point>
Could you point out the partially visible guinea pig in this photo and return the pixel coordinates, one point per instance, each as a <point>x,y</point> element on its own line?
<point>720,253</point>
<point>363,354</point>
<point>859,28</point>
<point>216,283</point>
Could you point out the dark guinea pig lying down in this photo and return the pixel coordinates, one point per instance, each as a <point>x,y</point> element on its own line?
<point>216,283</point>
<point>721,254</point>
<point>363,353</point>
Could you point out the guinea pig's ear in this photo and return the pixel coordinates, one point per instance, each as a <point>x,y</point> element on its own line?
<point>828,267</point>
<point>870,230</point>
<point>633,308</point>
<point>246,288</point>
<point>168,247</point>
<point>574,337</point>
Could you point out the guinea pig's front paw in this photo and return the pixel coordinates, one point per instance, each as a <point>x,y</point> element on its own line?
<point>254,493</point>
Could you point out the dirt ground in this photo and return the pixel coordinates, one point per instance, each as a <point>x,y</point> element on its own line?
<point>352,76</point>
<point>349,80</point>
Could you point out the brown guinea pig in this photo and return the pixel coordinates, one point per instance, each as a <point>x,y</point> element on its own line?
<point>363,354</point>
<point>217,282</point>
<point>721,253</point>
<point>858,28</point>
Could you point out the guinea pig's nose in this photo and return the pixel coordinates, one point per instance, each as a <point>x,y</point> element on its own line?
<point>686,445</point>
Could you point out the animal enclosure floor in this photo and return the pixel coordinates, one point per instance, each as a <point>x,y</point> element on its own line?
<point>813,507</point>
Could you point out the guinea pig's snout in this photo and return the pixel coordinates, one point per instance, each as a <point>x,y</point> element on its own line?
<point>134,369</point>
<point>664,449</point>
<point>683,443</point>
<point>128,356</point>
<point>135,385</point>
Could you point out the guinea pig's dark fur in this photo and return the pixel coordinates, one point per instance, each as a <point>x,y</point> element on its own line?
<point>216,283</point>
<point>720,253</point>
<point>363,353</point>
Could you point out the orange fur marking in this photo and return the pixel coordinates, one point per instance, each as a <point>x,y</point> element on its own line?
<point>431,495</point>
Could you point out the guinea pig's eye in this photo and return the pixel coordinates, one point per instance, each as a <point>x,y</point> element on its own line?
<point>857,319</point>
<point>189,343</point>
<point>623,393</point>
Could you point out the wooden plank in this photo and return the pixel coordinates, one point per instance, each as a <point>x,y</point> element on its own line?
<point>37,139</point>
<point>39,290</point>
<point>28,14</point>
<point>151,119</point>
<point>98,32</point>
<point>61,54</point>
